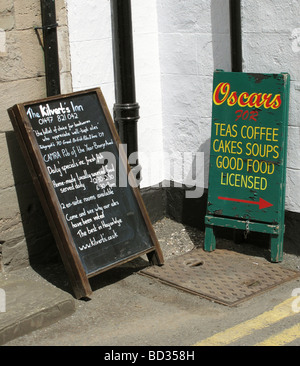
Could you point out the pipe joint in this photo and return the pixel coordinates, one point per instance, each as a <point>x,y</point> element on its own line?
<point>128,112</point>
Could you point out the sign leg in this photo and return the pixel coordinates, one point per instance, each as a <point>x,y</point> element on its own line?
<point>210,239</point>
<point>277,247</point>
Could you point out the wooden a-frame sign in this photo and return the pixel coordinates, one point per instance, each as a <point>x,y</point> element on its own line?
<point>85,185</point>
<point>248,156</point>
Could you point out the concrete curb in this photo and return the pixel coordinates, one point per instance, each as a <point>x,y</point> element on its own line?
<point>30,304</point>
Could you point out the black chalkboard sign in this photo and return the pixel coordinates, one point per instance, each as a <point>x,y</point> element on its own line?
<point>85,184</point>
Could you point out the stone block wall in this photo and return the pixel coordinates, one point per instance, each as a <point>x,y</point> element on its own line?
<point>24,231</point>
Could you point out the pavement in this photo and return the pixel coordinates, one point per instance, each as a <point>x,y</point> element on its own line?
<point>30,303</point>
<point>36,298</point>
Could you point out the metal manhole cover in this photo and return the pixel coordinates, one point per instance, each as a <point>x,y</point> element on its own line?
<point>223,276</point>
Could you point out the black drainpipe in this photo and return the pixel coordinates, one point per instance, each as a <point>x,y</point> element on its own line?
<point>49,27</point>
<point>236,36</point>
<point>126,109</point>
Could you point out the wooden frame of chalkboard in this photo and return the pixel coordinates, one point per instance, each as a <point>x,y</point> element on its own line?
<point>85,185</point>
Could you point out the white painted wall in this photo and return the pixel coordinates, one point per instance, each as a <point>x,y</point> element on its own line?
<point>194,41</point>
<point>178,44</point>
<point>270,45</point>
<point>92,66</point>
<point>148,91</point>
<point>90,46</point>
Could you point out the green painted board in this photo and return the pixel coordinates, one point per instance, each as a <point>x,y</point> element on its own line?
<point>248,146</point>
<point>248,151</point>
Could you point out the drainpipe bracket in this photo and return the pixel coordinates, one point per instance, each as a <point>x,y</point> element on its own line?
<point>46,27</point>
<point>49,26</point>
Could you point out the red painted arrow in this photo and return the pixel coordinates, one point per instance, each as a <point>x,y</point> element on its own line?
<point>262,203</point>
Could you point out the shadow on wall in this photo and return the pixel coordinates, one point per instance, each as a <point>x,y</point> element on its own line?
<point>187,204</point>
<point>38,246</point>
<point>292,233</point>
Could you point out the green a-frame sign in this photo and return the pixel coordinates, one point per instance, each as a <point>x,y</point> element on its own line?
<point>248,156</point>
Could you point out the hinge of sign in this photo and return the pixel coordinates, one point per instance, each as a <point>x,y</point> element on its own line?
<point>247,230</point>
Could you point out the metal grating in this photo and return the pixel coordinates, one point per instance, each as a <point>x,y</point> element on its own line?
<point>222,276</point>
